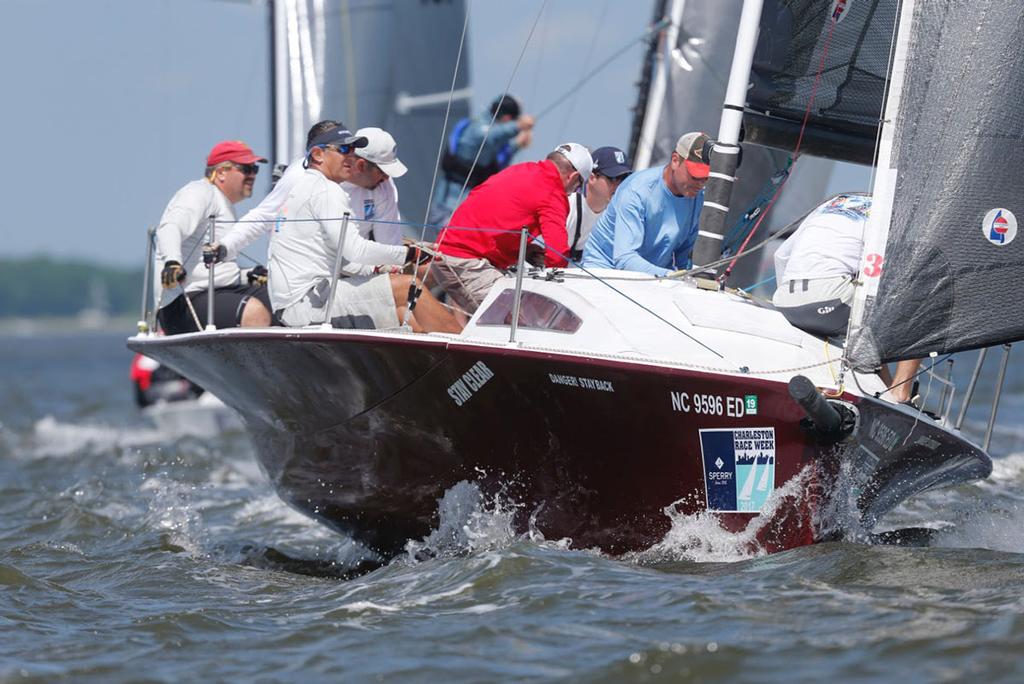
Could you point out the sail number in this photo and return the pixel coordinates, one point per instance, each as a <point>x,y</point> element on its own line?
<point>874,265</point>
<point>714,405</point>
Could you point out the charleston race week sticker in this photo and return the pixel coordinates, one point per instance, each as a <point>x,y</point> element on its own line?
<point>739,468</point>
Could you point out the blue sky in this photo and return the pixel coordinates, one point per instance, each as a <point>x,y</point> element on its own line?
<point>112,105</point>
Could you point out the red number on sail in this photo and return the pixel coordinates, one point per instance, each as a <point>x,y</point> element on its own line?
<point>874,267</point>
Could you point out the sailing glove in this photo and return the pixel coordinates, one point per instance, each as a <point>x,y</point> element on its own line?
<point>214,253</point>
<point>172,275</point>
<point>257,275</point>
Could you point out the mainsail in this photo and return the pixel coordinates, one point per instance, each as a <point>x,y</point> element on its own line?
<point>370,63</point>
<point>942,272</point>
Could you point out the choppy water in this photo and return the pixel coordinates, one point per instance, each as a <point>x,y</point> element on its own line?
<point>128,555</point>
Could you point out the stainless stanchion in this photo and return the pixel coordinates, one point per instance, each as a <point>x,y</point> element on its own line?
<point>969,394</point>
<point>336,272</point>
<point>147,282</point>
<point>209,291</point>
<point>520,267</point>
<point>995,399</point>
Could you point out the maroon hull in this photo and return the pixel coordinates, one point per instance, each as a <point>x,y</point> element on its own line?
<point>367,433</point>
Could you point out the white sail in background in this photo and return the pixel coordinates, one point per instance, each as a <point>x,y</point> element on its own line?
<point>368,64</point>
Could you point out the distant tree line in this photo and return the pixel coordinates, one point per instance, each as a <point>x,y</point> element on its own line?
<point>41,286</point>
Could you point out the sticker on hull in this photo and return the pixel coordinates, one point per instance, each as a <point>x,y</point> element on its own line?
<point>739,468</point>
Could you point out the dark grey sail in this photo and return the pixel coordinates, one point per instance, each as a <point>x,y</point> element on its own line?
<point>950,270</point>
<point>371,63</point>
<point>855,37</point>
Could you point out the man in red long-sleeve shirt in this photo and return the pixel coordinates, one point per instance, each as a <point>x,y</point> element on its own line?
<point>530,194</point>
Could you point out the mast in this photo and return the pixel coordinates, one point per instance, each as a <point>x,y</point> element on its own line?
<point>725,154</point>
<point>644,144</point>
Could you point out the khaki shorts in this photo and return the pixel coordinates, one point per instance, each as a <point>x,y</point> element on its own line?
<point>363,302</point>
<point>467,281</point>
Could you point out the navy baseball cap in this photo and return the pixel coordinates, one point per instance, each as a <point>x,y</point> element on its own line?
<point>611,162</point>
<point>337,136</point>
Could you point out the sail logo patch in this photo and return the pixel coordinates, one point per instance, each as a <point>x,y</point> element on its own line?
<point>840,8</point>
<point>999,226</point>
<point>739,468</point>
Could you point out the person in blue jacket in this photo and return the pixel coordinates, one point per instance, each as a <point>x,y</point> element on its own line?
<point>651,224</point>
<point>511,132</point>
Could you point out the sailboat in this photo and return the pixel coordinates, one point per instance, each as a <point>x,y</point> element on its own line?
<point>602,403</point>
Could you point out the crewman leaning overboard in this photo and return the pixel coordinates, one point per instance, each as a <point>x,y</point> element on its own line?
<point>482,239</point>
<point>231,169</point>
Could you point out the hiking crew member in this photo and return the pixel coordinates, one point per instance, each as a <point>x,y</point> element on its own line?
<point>530,194</point>
<point>816,269</point>
<point>651,223</point>
<point>511,132</point>
<point>586,204</point>
<point>231,169</point>
<point>370,197</point>
<point>303,250</point>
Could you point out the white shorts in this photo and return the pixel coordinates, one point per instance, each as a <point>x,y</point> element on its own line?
<point>363,302</point>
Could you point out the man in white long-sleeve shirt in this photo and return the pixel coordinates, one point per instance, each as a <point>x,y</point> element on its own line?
<point>304,247</point>
<point>372,193</point>
<point>231,169</point>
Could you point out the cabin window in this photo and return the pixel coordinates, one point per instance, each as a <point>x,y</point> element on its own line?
<point>535,311</point>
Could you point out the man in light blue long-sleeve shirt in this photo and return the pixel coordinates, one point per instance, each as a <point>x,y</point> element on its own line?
<point>651,223</point>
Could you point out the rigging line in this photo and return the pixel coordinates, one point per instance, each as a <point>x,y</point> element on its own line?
<point>796,149</point>
<point>444,126</point>
<point>593,72</point>
<point>417,287</point>
<point>586,61</point>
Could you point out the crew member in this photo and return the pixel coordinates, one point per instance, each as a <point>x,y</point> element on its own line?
<point>531,195</point>
<point>816,269</point>
<point>651,223</point>
<point>587,204</point>
<point>303,251</point>
<point>374,197</point>
<point>477,150</point>
<point>231,169</point>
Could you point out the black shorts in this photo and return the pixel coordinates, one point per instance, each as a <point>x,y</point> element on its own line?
<point>228,305</point>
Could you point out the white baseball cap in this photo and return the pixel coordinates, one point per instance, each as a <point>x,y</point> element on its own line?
<point>381,149</point>
<point>579,157</point>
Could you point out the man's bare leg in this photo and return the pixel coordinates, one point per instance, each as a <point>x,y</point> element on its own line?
<point>902,383</point>
<point>430,315</point>
<point>255,315</point>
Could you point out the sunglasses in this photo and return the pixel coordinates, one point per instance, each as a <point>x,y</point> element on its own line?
<point>340,149</point>
<point>247,169</point>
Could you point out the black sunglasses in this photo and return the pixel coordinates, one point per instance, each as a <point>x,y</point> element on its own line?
<point>247,169</point>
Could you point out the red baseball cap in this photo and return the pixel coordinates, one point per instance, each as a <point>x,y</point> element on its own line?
<point>233,150</point>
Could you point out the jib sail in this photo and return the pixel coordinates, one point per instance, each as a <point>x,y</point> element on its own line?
<point>943,266</point>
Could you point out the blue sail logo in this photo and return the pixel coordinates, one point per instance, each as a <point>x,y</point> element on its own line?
<point>999,226</point>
